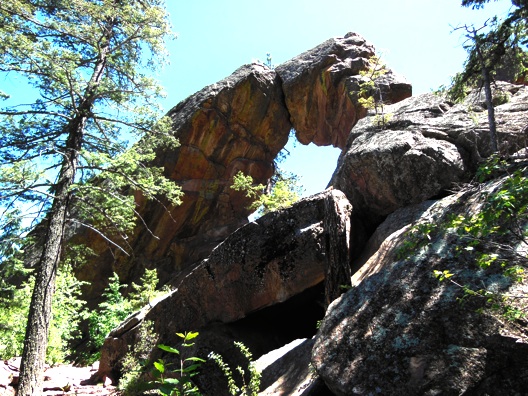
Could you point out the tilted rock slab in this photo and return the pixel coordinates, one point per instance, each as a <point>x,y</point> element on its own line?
<point>263,263</point>
<point>401,331</point>
<point>288,371</point>
<point>428,145</point>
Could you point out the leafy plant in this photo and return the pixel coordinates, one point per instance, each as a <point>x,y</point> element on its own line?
<point>178,382</point>
<point>370,95</point>
<point>249,388</point>
<point>136,361</point>
<point>283,193</point>
<point>66,315</point>
<point>489,238</point>
<point>146,291</point>
<point>416,238</point>
<point>115,307</point>
<point>112,311</point>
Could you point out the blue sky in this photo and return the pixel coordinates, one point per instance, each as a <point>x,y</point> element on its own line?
<point>414,37</point>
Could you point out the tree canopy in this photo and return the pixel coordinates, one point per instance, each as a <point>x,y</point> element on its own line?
<point>65,160</point>
<point>497,45</point>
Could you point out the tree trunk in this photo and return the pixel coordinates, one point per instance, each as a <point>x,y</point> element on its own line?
<point>491,110</point>
<point>36,341</point>
<point>486,78</point>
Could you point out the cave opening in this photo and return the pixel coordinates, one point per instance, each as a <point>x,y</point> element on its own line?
<point>275,326</point>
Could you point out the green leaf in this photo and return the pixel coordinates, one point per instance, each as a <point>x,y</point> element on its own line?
<point>172,381</point>
<point>196,359</point>
<point>191,368</point>
<point>160,366</point>
<point>168,349</point>
<point>191,335</point>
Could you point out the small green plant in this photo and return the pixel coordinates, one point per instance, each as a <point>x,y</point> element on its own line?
<point>111,312</point>
<point>115,307</point>
<point>66,316</point>
<point>178,382</point>
<point>146,291</point>
<point>473,115</point>
<point>247,388</point>
<point>497,302</point>
<point>136,361</point>
<point>416,238</point>
<point>489,238</point>
<point>284,192</point>
<point>370,95</point>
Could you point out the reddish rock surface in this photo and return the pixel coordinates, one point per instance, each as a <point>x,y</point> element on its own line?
<point>318,86</point>
<point>266,262</point>
<point>237,124</point>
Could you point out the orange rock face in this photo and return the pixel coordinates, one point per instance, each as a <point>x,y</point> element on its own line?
<point>238,124</point>
<point>318,87</point>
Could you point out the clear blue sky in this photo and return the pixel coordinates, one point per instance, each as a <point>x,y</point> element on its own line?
<point>415,39</point>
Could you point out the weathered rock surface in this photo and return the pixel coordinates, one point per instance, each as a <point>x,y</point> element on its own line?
<point>287,371</point>
<point>428,145</point>
<point>265,262</point>
<point>401,331</point>
<point>317,86</point>
<point>237,124</point>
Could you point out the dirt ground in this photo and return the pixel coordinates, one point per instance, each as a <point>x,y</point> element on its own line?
<point>59,380</point>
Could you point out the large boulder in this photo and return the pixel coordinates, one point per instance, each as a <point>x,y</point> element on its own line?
<point>399,330</point>
<point>264,263</point>
<point>318,86</point>
<point>427,146</point>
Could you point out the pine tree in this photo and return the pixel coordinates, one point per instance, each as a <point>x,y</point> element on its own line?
<point>62,159</point>
<point>488,47</point>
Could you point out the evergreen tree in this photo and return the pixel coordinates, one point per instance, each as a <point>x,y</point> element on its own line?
<point>488,48</point>
<point>62,158</point>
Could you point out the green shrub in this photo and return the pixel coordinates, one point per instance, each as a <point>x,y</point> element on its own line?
<point>250,388</point>
<point>488,239</point>
<point>66,315</point>
<point>178,382</point>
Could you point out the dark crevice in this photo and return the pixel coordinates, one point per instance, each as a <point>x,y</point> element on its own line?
<point>282,323</point>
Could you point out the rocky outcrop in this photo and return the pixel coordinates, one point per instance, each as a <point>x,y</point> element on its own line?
<point>374,335</point>
<point>399,330</point>
<point>237,124</point>
<point>428,146</point>
<point>318,87</point>
<point>264,263</point>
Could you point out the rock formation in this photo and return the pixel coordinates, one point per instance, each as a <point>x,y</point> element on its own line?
<point>398,330</point>
<point>428,145</point>
<point>237,124</point>
<point>401,331</point>
<point>263,263</point>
